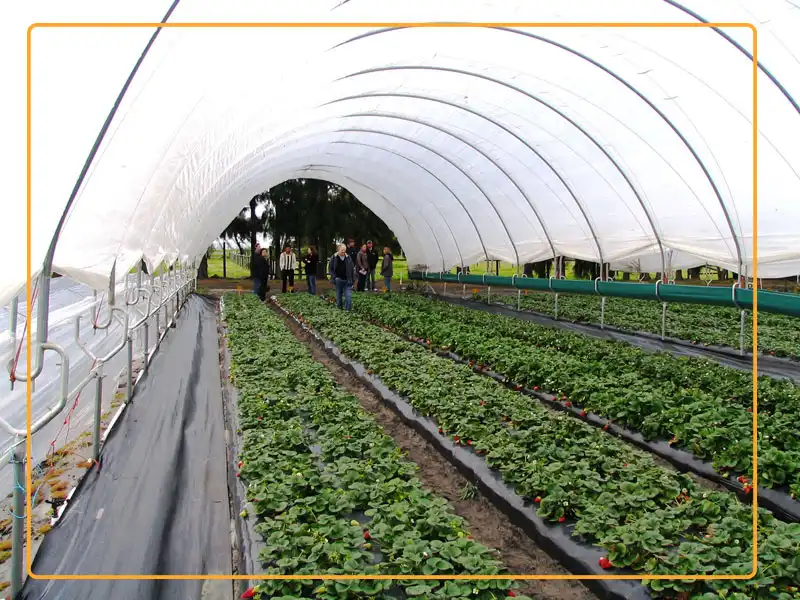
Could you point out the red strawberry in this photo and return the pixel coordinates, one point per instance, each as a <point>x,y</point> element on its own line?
<point>238,474</point>
<point>605,427</point>
<point>469,442</point>
<point>625,465</point>
<point>251,593</point>
<point>440,430</point>
<point>568,404</point>
<point>511,594</point>
<point>605,563</point>
<point>537,499</point>
<point>483,402</point>
<point>455,438</point>
<point>240,464</point>
<point>536,388</point>
<point>583,413</point>
<point>748,489</point>
<point>518,387</point>
<point>562,519</point>
<point>366,535</point>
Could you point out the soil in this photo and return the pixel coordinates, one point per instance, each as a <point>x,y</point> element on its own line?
<point>488,525</point>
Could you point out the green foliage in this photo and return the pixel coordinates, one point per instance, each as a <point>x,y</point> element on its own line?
<point>331,492</point>
<point>648,518</point>
<point>699,405</point>
<point>703,325</point>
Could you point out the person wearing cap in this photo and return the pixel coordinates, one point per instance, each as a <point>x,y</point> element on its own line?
<point>372,261</point>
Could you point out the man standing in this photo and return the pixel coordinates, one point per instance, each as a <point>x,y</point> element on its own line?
<point>342,272</point>
<point>372,260</point>
<point>352,250</point>
<point>287,264</point>
<point>256,269</point>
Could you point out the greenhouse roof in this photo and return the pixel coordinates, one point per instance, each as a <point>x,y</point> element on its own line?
<point>630,146</point>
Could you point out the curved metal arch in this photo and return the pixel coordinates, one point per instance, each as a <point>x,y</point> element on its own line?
<point>481,152</point>
<point>741,49</point>
<point>621,80</point>
<point>446,159</point>
<point>415,163</point>
<point>308,166</point>
<point>333,169</point>
<point>507,130</point>
<point>559,112</point>
<point>438,179</point>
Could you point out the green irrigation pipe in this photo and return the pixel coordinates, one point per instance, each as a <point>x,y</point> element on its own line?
<point>734,296</point>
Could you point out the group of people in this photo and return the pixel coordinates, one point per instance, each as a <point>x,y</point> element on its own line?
<point>348,267</point>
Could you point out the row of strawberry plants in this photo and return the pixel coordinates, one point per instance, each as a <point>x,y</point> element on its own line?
<point>647,517</point>
<point>778,335</point>
<point>699,405</point>
<point>332,493</point>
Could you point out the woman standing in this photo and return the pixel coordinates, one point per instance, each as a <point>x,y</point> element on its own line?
<point>387,269</point>
<point>311,260</point>
<point>362,264</point>
<point>287,264</point>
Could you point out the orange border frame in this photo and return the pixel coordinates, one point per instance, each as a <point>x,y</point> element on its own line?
<point>751,575</point>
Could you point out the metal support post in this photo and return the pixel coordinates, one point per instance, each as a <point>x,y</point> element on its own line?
<point>129,390</point>
<point>519,299</point>
<point>18,525</point>
<point>488,294</point>
<point>444,292</point>
<point>663,321</point>
<point>603,312</point>
<point>555,307</point>
<point>741,333</point>
<point>98,411</point>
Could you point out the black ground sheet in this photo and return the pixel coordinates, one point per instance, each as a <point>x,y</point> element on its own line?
<point>158,504</point>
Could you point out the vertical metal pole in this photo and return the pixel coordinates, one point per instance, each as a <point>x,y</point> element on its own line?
<point>224,260</point>
<point>741,334</point>
<point>18,525</point>
<point>98,410</point>
<point>146,345</point>
<point>663,320</point>
<point>129,391</point>
<point>445,289</point>
<point>12,317</point>
<point>555,308</point>
<point>603,312</point>
<point>488,294</point>
<point>519,297</point>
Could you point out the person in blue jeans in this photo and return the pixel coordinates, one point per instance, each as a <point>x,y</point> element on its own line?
<point>311,260</point>
<point>387,268</point>
<point>343,274</point>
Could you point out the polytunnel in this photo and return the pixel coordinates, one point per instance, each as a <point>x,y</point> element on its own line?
<point>620,132</point>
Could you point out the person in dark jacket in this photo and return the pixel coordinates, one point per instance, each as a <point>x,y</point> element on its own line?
<point>372,259</point>
<point>342,273</point>
<point>310,261</point>
<point>387,268</point>
<point>352,251</point>
<point>362,267</point>
<point>261,273</point>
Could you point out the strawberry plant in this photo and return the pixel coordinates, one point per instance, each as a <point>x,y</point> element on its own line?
<point>699,404</point>
<point>645,517</point>
<point>330,492</point>
<point>778,335</point>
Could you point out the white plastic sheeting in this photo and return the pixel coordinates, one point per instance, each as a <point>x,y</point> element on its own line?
<point>614,144</point>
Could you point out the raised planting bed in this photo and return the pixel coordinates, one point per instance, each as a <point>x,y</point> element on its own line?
<point>693,404</point>
<point>645,517</point>
<point>332,493</point>
<point>778,335</point>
